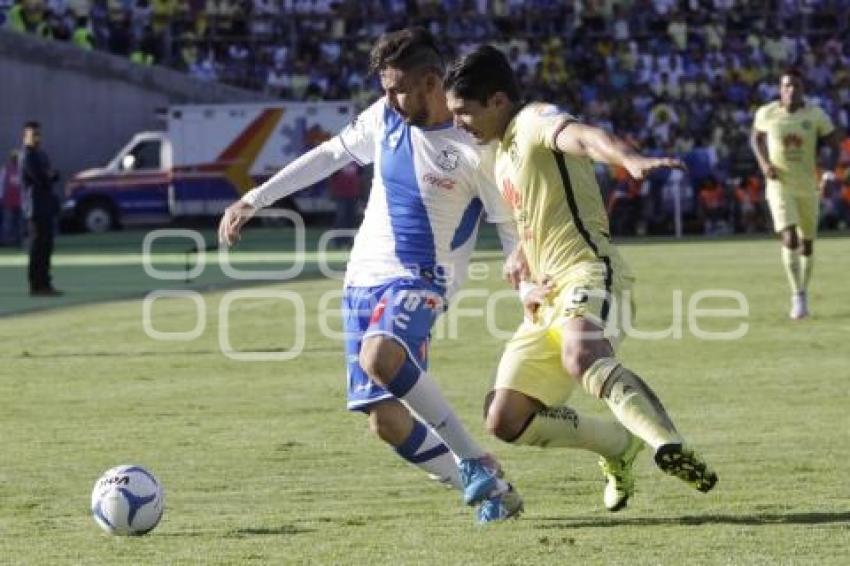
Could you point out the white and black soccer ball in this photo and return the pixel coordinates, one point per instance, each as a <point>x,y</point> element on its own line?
<point>127,500</point>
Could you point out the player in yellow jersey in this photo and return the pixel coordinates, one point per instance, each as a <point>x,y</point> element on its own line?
<point>544,168</point>
<point>785,141</point>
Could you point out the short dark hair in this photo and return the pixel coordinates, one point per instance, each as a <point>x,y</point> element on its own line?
<point>481,74</point>
<point>406,49</point>
<point>32,125</point>
<point>792,72</point>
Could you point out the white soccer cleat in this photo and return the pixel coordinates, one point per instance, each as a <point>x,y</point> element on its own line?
<point>799,306</point>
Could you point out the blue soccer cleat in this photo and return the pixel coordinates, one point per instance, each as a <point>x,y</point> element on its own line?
<point>506,505</point>
<point>480,478</point>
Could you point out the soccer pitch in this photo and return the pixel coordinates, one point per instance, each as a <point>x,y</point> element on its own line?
<point>262,464</point>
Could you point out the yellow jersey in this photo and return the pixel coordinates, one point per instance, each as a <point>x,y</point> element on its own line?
<point>555,199</point>
<point>792,143</point>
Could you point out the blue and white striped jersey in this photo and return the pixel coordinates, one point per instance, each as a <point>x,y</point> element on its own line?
<point>429,191</point>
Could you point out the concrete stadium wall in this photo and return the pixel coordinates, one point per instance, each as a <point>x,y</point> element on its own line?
<point>89,103</point>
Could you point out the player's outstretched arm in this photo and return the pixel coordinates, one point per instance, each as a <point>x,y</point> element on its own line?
<point>315,165</point>
<point>597,144</point>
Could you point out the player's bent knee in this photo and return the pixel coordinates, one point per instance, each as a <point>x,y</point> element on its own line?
<point>508,414</point>
<point>577,360</point>
<point>789,238</point>
<point>502,426</point>
<point>381,358</point>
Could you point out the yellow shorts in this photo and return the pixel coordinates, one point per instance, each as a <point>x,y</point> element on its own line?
<point>791,208</point>
<point>531,361</point>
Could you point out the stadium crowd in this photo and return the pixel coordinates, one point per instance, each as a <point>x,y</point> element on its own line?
<point>674,76</point>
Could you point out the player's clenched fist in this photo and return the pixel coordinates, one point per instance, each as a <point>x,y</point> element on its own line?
<point>535,295</point>
<point>235,217</point>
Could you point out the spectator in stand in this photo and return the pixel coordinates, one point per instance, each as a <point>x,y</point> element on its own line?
<point>82,36</point>
<point>830,203</point>
<point>28,16</point>
<point>712,208</point>
<point>277,81</point>
<point>683,76</point>
<point>120,38</point>
<point>145,50</point>
<point>141,16</point>
<point>844,202</point>
<point>205,68</point>
<point>15,18</point>
<point>749,205</point>
<point>624,204</point>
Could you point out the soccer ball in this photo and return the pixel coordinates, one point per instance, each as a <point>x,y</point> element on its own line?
<point>127,500</point>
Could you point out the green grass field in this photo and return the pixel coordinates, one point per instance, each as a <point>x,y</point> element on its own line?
<point>262,464</point>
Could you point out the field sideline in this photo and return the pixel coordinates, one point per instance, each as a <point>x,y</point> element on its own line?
<point>262,464</point>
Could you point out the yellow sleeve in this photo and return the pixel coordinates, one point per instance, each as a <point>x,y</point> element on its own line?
<point>760,121</point>
<point>824,124</point>
<point>540,124</point>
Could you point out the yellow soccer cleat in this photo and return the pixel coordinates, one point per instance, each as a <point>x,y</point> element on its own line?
<point>620,484</point>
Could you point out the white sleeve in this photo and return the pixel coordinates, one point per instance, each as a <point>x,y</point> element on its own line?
<point>315,165</point>
<point>358,138</point>
<point>355,142</point>
<point>508,235</point>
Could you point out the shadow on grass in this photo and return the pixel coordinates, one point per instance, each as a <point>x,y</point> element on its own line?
<point>272,531</point>
<point>755,519</point>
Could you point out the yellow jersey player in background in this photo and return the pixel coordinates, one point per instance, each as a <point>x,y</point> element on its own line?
<point>785,140</point>
<point>545,171</point>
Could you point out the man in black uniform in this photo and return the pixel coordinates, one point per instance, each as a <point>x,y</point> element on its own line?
<point>40,206</point>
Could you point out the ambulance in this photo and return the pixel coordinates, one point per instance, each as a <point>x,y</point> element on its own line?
<point>207,157</point>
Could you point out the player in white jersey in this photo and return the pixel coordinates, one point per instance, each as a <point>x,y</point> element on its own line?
<point>432,183</point>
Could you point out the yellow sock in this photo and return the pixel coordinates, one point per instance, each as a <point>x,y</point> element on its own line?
<point>563,427</point>
<point>791,261</point>
<point>632,401</point>
<point>807,263</point>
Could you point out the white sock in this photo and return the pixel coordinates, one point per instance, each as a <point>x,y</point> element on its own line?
<point>420,393</point>
<point>427,451</point>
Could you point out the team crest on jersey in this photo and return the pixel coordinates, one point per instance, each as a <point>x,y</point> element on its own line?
<point>448,159</point>
<point>792,140</point>
<point>513,152</point>
<point>807,124</point>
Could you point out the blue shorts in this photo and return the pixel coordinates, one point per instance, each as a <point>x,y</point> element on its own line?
<point>404,309</point>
